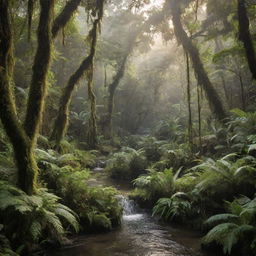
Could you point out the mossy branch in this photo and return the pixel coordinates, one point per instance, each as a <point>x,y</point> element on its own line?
<point>65,15</point>
<point>200,73</point>
<point>61,122</point>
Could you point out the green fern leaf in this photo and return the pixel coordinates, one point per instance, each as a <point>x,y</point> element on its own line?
<point>35,230</point>
<point>68,216</point>
<point>221,218</point>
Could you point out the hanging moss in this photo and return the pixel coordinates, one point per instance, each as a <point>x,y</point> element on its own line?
<point>190,125</point>
<point>61,122</point>
<point>200,73</point>
<point>27,169</point>
<point>92,131</point>
<point>62,19</point>
<point>41,65</point>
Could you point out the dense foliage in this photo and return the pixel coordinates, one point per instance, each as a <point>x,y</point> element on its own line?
<point>169,104</point>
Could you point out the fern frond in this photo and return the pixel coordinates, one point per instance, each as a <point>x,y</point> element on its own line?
<point>54,221</point>
<point>220,218</point>
<point>67,215</point>
<point>35,230</point>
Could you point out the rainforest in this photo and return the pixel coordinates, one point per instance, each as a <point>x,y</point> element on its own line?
<point>127,127</point>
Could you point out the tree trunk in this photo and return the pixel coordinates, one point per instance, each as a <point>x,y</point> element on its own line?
<point>38,87</point>
<point>92,131</point>
<point>190,135</point>
<point>219,47</point>
<point>199,92</point>
<point>111,93</point>
<point>243,101</point>
<point>245,36</point>
<point>116,81</point>
<point>61,122</point>
<point>23,151</point>
<point>64,16</point>
<point>201,75</point>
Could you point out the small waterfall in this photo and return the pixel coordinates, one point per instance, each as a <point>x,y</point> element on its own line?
<point>130,211</point>
<point>128,205</point>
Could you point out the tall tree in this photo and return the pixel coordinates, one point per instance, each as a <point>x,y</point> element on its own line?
<point>200,72</point>
<point>61,122</point>
<point>23,139</point>
<point>115,83</point>
<point>245,36</point>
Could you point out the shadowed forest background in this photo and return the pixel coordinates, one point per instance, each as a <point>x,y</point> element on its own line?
<point>158,95</point>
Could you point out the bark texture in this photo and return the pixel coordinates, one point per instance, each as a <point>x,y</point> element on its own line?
<point>65,15</point>
<point>38,87</point>
<point>201,75</point>
<point>61,122</point>
<point>27,169</point>
<point>111,93</point>
<point>245,36</point>
<point>30,16</point>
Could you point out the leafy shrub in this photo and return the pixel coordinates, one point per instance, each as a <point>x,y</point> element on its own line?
<point>168,130</point>
<point>155,185</point>
<point>176,158</point>
<point>177,207</point>
<point>118,165</point>
<point>242,126</point>
<point>236,229</point>
<point>5,247</point>
<point>126,165</point>
<point>151,147</point>
<point>71,185</point>
<point>223,179</point>
<point>77,158</point>
<point>30,219</point>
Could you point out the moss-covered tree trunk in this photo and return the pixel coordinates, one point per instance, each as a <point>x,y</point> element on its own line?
<point>22,141</point>
<point>245,36</point>
<point>38,87</point>
<point>201,75</point>
<point>61,122</point>
<point>111,93</point>
<point>64,16</point>
<point>116,81</point>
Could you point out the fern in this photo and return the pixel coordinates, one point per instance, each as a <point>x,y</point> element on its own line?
<point>68,215</point>
<point>229,229</point>
<point>176,206</point>
<point>227,234</point>
<point>35,215</point>
<point>222,218</point>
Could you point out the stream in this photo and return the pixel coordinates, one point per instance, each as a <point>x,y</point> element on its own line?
<point>139,235</point>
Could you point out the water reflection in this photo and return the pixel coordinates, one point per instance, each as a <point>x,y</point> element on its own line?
<point>139,236</point>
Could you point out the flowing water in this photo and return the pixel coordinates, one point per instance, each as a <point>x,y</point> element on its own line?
<point>139,235</point>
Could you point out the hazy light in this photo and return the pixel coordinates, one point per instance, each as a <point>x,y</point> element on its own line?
<point>154,4</point>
